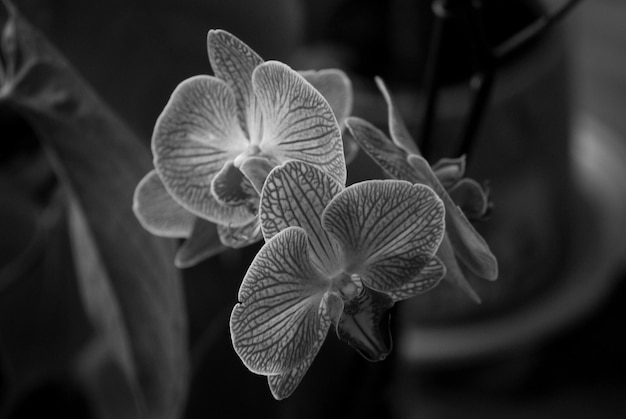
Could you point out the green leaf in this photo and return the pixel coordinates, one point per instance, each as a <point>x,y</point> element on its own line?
<point>194,137</point>
<point>298,123</point>
<point>282,316</point>
<point>295,195</point>
<point>158,212</point>
<point>100,161</point>
<point>388,230</point>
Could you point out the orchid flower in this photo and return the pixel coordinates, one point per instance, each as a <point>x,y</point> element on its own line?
<point>463,251</point>
<point>219,136</point>
<point>333,256</point>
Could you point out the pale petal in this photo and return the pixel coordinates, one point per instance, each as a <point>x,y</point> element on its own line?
<point>399,133</point>
<point>298,123</point>
<point>194,137</point>
<point>230,187</point>
<point>469,246</point>
<point>454,274</point>
<point>380,148</point>
<point>295,194</point>
<point>364,324</point>
<point>427,279</point>
<point>282,316</point>
<point>256,169</point>
<point>238,237</point>
<point>471,197</point>
<point>203,243</point>
<point>283,385</point>
<point>449,171</point>
<point>336,88</point>
<point>233,61</point>
<point>157,211</point>
<point>388,229</point>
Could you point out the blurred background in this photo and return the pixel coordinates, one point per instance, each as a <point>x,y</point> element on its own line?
<point>547,340</point>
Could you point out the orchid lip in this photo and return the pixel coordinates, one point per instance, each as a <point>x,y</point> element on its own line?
<point>252,150</point>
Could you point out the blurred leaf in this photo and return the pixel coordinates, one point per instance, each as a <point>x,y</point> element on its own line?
<point>140,313</point>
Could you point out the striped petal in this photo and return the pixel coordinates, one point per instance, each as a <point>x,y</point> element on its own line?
<point>298,123</point>
<point>282,316</point>
<point>388,229</point>
<point>364,324</point>
<point>469,246</point>
<point>399,133</point>
<point>157,211</point>
<point>295,194</point>
<point>203,243</point>
<point>195,136</point>
<point>336,88</point>
<point>379,147</point>
<point>428,278</point>
<point>233,61</point>
<point>283,385</point>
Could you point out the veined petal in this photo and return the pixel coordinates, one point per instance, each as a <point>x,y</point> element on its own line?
<point>195,135</point>
<point>469,246</point>
<point>282,316</point>
<point>449,171</point>
<point>203,243</point>
<point>295,194</point>
<point>428,278</point>
<point>282,385</point>
<point>233,61</point>
<point>379,147</point>
<point>238,237</point>
<point>364,324</point>
<point>388,229</point>
<point>471,197</point>
<point>336,88</point>
<point>256,169</point>
<point>230,187</point>
<point>399,133</point>
<point>298,123</point>
<point>157,211</point>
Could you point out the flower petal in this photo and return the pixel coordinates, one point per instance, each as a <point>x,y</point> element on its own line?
<point>364,324</point>
<point>388,229</point>
<point>233,61</point>
<point>298,123</point>
<point>231,188</point>
<point>203,243</point>
<point>399,133</point>
<point>295,194</point>
<point>469,246</point>
<point>282,316</point>
<point>256,169</point>
<point>427,279</point>
<point>194,137</point>
<point>238,237</point>
<point>471,197</point>
<point>449,171</point>
<point>336,88</point>
<point>380,148</point>
<point>282,385</point>
<point>157,211</point>
<point>454,274</point>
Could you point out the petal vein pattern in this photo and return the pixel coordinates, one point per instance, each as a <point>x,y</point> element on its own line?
<point>389,230</point>
<point>194,137</point>
<point>296,194</point>
<point>298,123</point>
<point>281,318</point>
